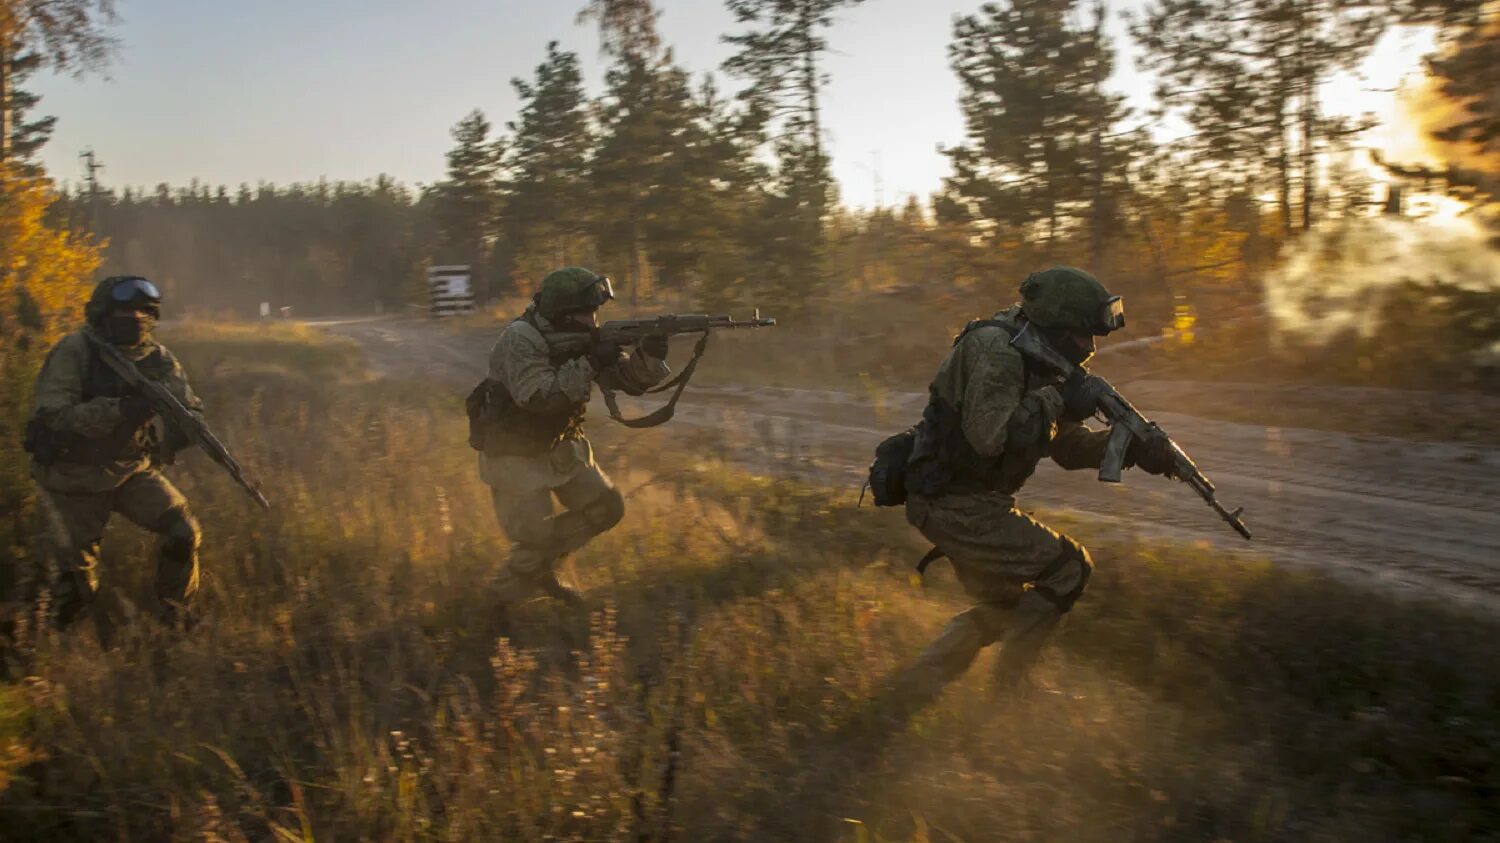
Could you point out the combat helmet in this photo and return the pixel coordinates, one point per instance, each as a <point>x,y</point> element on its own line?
<point>120,290</point>
<point>572,290</point>
<point>1063,298</point>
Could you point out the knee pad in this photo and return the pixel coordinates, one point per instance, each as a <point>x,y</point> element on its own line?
<point>1072,559</point>
<point>179,532</point>
<point>606,511</point>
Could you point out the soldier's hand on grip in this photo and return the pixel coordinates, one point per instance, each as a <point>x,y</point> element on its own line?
<point>136,409</point>
<point>1081,394</point>
<point>656,346</point>
<point>604,354</point>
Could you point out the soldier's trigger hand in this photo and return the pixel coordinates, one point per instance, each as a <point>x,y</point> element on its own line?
<point>604,354</point>
<point>136,409</point>
<point>655,345</point>
<point>1153,457</point>
<point>1081,394</point>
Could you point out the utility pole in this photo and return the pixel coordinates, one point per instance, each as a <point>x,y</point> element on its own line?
<point>92,167</point>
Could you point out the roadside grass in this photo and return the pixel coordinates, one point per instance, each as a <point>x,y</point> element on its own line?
<point>354,680</point>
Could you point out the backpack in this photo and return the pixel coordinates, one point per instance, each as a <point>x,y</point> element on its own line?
<point>887,481</point>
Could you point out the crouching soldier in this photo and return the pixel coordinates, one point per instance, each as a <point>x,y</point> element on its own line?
<point>992,415</point>
<point>527,421</point>
<point>96,449</point>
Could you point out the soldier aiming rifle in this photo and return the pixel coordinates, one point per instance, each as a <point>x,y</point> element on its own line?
<point>526,419</point>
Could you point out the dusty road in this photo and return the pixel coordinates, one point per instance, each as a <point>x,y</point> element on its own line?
<point>1416,516</point>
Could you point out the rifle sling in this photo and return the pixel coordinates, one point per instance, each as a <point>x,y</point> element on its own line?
<point>664,413</point>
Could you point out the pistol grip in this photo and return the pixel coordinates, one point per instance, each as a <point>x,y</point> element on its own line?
<point>1114,453</point>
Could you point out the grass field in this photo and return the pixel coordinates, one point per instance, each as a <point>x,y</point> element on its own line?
<point>354,680</point>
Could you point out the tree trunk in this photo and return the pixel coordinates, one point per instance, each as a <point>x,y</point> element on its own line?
<point>1097,212</point>
<point>5,113</point>
<point>810,85</point>
<point>1309,154</point>
<point>1283,170</point>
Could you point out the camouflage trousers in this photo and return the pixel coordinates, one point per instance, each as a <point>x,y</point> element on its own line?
<point>75,523</point>
<point>1023,575</point>
<point>541,535</point>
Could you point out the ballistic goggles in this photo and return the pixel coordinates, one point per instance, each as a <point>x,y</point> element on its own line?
<point>135,291</point>
<point>1111,316</point>
<point>602,291</point>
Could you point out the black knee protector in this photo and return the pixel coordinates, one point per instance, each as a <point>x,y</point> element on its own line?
<point>1070,553</point>
<point>179,533</point>
<point>605,511</point>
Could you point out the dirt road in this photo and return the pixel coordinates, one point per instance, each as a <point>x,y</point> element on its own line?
<point>1421,517</point>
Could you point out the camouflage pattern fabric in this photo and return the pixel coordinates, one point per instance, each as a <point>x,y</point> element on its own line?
<point>1063,297</point>
<point>80,496</point>
<point>1023,575</point>
<point>148,500</point>
<point>524,487</point>
<point>60,398</point>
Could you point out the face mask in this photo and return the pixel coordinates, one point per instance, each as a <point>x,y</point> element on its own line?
<point>124,329</point>
<point>1063,343</point>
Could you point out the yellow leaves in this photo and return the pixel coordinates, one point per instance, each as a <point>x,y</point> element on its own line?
<point>45,269</point>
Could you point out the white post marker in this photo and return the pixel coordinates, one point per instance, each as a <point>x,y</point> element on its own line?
<point>450,289</point>
<point>265,310</point>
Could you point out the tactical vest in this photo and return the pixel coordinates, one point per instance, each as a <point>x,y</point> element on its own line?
<point>943,461</point>
<point>126,441</point>
<point>505,429</point>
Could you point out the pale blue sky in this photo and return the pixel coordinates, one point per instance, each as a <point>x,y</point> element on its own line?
<point>228,91</point>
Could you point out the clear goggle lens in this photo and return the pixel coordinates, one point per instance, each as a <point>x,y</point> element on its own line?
<point>1112,315</point>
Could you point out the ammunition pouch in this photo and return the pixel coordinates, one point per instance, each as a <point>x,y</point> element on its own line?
<point>500,427</point>
<point>887,480</point>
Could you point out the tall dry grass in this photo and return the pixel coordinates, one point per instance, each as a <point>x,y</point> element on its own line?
<point>355,680</point>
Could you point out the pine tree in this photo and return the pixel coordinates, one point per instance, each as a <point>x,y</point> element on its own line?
<point>781,60</point>
<point>548,211</point>
<point>1044,153</point>
<point>466,203</point>
<point>1245,75</point>
<point>63,34</point>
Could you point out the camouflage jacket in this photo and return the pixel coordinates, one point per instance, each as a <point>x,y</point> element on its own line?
<point>78,405</point>
<point>546,373</point>
<point>991,417</point>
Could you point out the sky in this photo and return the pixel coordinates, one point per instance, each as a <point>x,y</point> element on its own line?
<point>229,92</point>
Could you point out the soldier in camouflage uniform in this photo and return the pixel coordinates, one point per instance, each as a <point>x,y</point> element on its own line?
<point>96,449</point>
<point>541,373</point>
<point>991,417</point>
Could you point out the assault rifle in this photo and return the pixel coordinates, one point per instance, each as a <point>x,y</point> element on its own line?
<point>627,332</point>
<point>1126,425</point>
<point>175,415</point>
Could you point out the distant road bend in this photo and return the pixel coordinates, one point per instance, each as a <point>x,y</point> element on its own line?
<point>1419,517</point>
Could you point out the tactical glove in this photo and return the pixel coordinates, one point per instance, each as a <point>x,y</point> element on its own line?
<point>136,409</point>
<point>1081,394</point>
<point>1153,457</point>
<point>604,354</point>
<point>655,345</point>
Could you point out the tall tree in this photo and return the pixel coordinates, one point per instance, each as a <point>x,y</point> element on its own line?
<point>1245,74</point>
<point>1043,151</point>
<point>64,34</point>
<point>465,204</point>
<point>627,28</point>
<point>548,211</point>
<point>781,58</point>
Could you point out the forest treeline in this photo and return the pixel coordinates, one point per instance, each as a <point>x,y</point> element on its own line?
<point>671,183</point>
